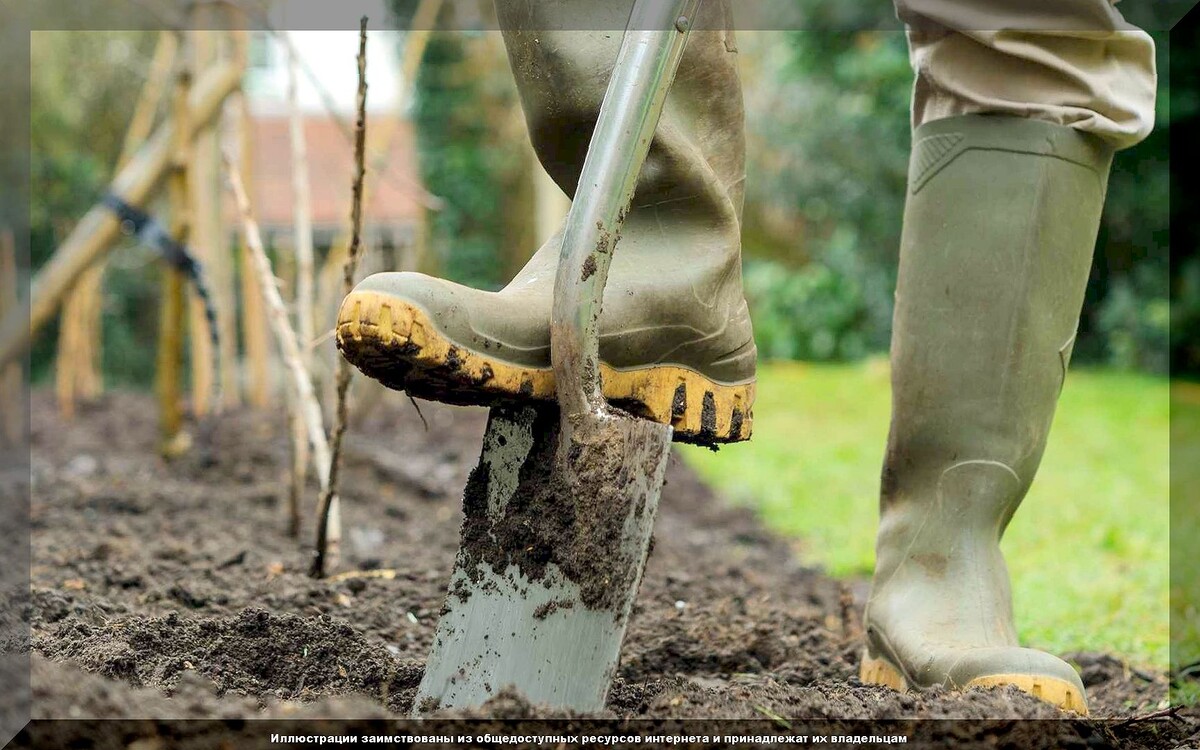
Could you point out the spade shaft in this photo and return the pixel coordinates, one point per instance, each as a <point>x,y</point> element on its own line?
<point>559,511</point>
<point>637,91</point>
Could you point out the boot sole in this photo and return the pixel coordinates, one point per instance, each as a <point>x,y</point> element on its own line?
<point>395,342</point>
<point>1059,693</point>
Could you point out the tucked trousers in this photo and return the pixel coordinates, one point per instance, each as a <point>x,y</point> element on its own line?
<point>1076,63</point>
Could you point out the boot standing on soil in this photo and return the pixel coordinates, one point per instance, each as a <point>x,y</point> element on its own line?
<point>676,344</point>
<point>1014,134</point>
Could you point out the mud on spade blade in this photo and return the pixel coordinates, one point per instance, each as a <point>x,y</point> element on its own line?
<point>551,556</point>
<point>560,509</point>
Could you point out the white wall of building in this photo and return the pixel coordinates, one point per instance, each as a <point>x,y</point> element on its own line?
<point>330,58</point>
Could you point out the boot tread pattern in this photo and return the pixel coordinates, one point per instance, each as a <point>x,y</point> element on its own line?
<point>395,343</point>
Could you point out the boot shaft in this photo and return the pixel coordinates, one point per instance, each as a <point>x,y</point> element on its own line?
<point>999,229</point>
<point>696,167</point>
<point>999,226</point>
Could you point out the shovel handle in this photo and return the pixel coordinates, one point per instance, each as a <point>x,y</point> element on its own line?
<point>653,45</point>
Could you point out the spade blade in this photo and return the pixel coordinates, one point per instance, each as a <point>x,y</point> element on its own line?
<point>558,518</point>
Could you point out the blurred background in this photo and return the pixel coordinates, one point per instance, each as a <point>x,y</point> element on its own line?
<point>455,190</point>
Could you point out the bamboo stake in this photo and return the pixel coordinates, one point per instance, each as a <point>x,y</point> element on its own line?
<point>70,347</point>
<point>98,229</point>
<point>174,441</point>
<point>142,120</point>
<point>204,233</point>
<point>328,508</point>
<point>90,378</point>
<point>12,414</point>
<point>255,333</point>
<point>88,382</point>
<point>302,211</point>
<point>254,325</point>
<point>303,245</point>
<point>292,357</point>
<point>170,345</point>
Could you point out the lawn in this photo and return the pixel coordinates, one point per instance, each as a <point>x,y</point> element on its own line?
<point>1185,531</point>
<point>1088,551</point>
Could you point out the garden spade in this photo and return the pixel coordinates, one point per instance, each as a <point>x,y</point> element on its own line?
<point>560,509</point>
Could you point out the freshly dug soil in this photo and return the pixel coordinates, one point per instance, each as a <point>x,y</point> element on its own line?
<point>172,590</point>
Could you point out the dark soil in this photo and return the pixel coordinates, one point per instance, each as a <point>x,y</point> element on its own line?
<point>173,590</point>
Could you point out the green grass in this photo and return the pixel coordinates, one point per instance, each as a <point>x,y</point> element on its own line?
<point>1185,531</point>
<point>1088,551</point>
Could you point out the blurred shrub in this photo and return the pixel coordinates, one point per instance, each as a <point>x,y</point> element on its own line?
<point>1185,317</point>
<point>826,169</point>
<point>1135,323</point>
<point>813,314</point>
<point>474,153</point>
<point>1126,313</point>
<point>827,310</point>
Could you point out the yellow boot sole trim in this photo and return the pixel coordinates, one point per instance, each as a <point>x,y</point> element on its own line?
<point>1059,693</point>
<point>395,343</point>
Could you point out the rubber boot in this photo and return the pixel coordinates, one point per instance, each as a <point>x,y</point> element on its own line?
<point>676,342</point>
<point>999,229</point>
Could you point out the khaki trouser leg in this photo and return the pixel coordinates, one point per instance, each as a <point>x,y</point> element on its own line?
<point>1076,63</point>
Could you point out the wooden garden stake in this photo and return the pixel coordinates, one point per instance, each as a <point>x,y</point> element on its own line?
<point>254,328</point>
<point>293,359</point>
<point>142,121</point>
<point>328,509</point>
<point>12,415</point>
<point>171,318</point>
<point>303,245</point>
<point>206,239</point>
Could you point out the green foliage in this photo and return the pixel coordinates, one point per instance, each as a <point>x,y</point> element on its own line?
<point>455,164</point>
<point>1135,321</point>
<point>1126,316</point>
<point>828,116</point>
<point>1185,315</point>
<point>469,155</point>
<point>84,86</point>
<point>816,313</point>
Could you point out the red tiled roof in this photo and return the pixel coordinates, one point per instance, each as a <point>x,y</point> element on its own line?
<point>393,198</point>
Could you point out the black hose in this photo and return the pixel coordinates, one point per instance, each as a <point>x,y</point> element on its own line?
<point>137,223</point>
